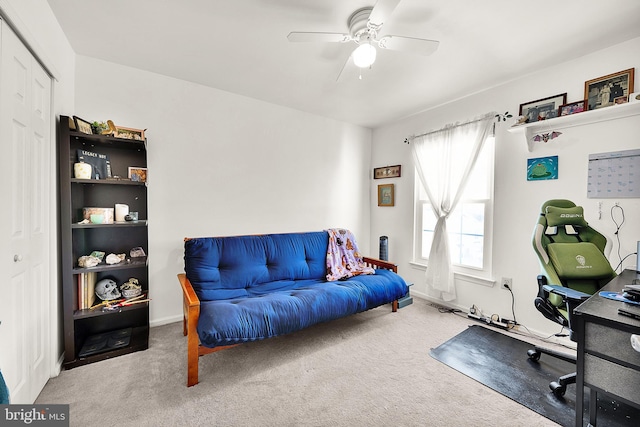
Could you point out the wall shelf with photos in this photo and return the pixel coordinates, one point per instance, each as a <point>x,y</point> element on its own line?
<point>85,321</point>
<point>613,112</point>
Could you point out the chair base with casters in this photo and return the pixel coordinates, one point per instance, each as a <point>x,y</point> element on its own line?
<point>559,388</point>
<point>573,266</point>
<point>571,299</point>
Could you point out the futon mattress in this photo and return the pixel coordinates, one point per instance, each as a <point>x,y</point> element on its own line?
<point>292,305</point>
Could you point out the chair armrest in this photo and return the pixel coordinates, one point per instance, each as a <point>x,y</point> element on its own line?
<point>565,292</point>
<point>378,263</point>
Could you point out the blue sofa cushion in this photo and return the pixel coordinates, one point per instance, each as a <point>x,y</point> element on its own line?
<point>290,305</point>
<point>230,267</point>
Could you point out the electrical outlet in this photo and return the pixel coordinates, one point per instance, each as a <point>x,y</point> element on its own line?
<point>505,283</point>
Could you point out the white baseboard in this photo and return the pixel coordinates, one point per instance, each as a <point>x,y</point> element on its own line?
<point>165,321</point>
<point>562,341</point>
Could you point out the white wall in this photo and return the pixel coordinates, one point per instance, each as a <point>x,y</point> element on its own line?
<point>516,200</point>
<point>224,164</point>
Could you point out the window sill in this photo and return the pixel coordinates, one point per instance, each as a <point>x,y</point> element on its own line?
<point>476,280</point>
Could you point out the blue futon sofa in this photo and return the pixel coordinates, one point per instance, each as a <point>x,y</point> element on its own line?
<point>247,288</point>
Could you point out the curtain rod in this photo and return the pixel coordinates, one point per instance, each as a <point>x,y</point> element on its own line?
<point>410,138</point>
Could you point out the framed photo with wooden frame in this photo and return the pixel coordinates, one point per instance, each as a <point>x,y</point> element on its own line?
<point>82,125</point>
<point>137,174</point>
<point>387,172</point>
<point>603,91</point>
<point>573,108</point>
<point>542,109</point>
<point>129,133</point>
<point>386,195</point>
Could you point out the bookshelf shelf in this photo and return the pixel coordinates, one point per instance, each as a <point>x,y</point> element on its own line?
<point>133,263</point>
<point>116,224</point>
<point>95,312</point>
<point>107,182</point>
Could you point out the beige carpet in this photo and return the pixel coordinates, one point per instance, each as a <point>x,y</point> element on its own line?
<point>370,369</point>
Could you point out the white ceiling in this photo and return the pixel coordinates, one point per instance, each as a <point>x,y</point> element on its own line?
<point>241,46</point>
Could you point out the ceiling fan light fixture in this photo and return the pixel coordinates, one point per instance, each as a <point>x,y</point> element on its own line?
<point>364,55</point>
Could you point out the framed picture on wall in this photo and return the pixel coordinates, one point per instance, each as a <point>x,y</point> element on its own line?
<point>387,172</point>
<point>542,168</point>
<point>385,195</point>
<point>603,91</point>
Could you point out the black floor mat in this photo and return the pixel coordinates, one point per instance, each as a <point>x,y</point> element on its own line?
<point>501,363</point>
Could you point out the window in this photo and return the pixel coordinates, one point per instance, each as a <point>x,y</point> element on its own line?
<point>469,225</point>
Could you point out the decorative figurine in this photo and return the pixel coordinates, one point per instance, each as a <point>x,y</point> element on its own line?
<point>115,259</point>
<point>131,288</point>
<point>106,289</point>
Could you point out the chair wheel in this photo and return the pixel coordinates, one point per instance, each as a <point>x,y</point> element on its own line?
<point>533,355</point>
<point>557,389</point>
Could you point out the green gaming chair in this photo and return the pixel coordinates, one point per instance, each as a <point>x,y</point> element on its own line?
<point>573,267</point>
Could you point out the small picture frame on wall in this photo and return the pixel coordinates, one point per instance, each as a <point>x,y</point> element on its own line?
<point>82,125</point>
<point>137,174</point>
<point>387,172</point>
<point>542,109</point>
<point>386,195</point>
<point>603,91</point>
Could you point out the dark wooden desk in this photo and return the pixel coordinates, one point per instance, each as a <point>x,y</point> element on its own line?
<point>606,361</point>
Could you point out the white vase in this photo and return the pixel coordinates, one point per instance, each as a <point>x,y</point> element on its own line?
<point>121,211</point>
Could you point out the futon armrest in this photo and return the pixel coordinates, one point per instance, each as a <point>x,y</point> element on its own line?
<point>190,297</point>
<point>191,314</point>
<point>378,263</point>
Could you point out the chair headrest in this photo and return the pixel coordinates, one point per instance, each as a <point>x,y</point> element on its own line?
<point>565,216</point>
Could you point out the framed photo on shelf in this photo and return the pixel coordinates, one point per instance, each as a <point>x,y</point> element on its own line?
<point>137,174</point>
<point>542,109</point>
<point>385,195</point>
<point>603,91</point>
<point>573,108</point>
<point>82,125</point>
<point>129,133</point>
<point>387,172</point>
<point>620,100</point>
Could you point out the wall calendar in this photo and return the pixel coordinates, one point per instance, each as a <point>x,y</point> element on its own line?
<point>614,175</point>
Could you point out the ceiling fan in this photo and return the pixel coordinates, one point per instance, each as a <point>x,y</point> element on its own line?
<point>364,28</point>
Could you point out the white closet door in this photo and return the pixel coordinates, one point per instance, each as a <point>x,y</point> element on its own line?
<point>25,152</point>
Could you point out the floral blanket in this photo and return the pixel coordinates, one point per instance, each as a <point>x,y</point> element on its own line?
<point>343,257</point>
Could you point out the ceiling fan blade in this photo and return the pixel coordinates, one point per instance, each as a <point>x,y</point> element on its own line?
<point>346,68</point>
<point>318,37</point>
<point>381,12</point>
<point>409,44</point>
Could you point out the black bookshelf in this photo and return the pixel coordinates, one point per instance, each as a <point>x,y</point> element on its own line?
<point>78,239</point>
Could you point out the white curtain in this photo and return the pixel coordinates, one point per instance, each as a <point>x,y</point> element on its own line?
<point>444,160</point>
